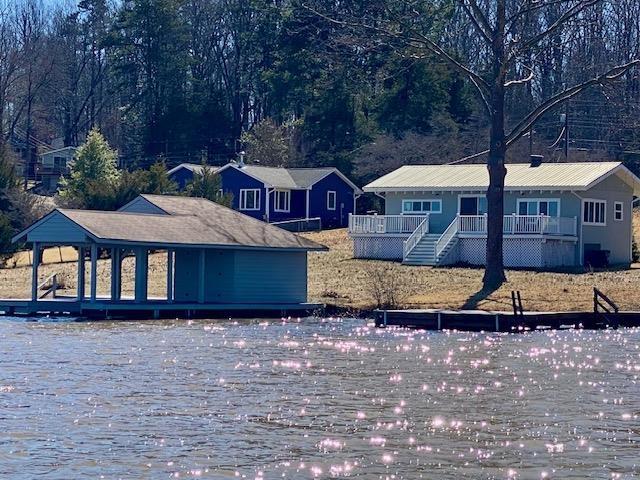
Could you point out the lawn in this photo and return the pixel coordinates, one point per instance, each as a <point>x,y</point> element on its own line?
<point>336,278</point>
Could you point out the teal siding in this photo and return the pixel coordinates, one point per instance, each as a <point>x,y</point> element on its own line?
<point>270,277</point>
<point>57,229</point>
<point>242,276</point>
<point>615,236</point>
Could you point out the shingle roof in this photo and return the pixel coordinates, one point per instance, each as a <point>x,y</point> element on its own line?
<point>548,176</point>
<point>188,221</point>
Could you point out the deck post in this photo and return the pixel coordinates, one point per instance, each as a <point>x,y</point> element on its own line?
<point>116,273</point>
<point>94,272</point>
<point>307,206</point>
<point>202,271</point>
<point>170,255</point>
<point>34,271</point>
<point>142,267</point>
<point>81,279</point>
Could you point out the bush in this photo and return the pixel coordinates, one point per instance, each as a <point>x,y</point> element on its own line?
<point>386,287</point>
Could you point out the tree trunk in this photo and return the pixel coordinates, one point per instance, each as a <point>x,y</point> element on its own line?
<point>494,273</point>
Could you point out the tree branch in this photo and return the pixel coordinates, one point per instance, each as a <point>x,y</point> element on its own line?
<point>479,19</point>
<point>520,81</point>
<point>527,122</point>
<point>561,21</point>
<point>417,37</point>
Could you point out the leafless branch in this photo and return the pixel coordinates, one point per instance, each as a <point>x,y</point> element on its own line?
<point>526,123</point>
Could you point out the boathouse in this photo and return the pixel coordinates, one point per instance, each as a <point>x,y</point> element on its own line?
<point>216,258</point>
<point>555,215</point>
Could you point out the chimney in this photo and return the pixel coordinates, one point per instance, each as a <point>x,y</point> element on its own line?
<point>536,160</point>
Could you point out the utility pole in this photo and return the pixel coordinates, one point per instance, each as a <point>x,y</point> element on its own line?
<point>566,131</point>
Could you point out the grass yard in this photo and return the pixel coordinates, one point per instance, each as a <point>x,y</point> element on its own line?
<point>336,278</point>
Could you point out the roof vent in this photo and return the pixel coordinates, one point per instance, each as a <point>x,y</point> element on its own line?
<point>536,160</point>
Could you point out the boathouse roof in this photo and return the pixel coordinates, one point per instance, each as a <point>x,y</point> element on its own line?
<point>520,177</point>
<point>176,221</point>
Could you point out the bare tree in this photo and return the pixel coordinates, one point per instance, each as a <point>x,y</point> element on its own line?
<point>507,39</point>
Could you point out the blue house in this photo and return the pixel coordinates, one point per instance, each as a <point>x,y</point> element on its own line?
<point>277,194</point>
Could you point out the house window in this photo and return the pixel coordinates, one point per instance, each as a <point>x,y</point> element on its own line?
<point>331,200</point>
<point>250,199</point>
<point>472,205</point>
<point>618,211</point>
<point>594,212</point>
<point>421,206</point>
<point>548,207</point>
<point>282,201</point>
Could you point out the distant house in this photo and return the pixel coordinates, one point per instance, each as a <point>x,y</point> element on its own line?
<point>217,258</point>
<point>183,173</point>
<point>555,214</point>
<point>277,194</point>
<point>52,165</point>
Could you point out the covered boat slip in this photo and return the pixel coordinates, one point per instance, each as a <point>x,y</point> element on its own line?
<point>218,260</point>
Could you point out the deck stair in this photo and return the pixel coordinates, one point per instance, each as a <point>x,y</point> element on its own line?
<point>430,249</point>
<point>424,253</point>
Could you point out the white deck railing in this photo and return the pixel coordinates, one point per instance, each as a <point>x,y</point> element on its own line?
<point>411,242</point>
<point>386,223</point>
<point>447,237</point>
<point>521,225</point>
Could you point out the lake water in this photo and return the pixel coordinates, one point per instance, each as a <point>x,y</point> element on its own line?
<point>314,398</point>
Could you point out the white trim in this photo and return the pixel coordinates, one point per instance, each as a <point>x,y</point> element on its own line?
<point>307,204</point>
<point>538,200</point>
<point>433,201</point>
<point>615,211</point>
<point>594,200</point>
<point>335,199</point>
<point>287,201</point>
<point>243,199</point>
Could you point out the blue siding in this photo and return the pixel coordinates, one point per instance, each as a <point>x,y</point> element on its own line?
<point>182,176</point>
<point>298,207</point>
<point>57,229</point>
<point>344,201</point>
<point>242,276</point>
<point>233,181</point>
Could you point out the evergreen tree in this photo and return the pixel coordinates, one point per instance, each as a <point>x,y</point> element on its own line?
<point>95,169</point>
<point>207,184</point>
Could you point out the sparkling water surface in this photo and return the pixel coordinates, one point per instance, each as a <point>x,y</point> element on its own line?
<point>314,398</point>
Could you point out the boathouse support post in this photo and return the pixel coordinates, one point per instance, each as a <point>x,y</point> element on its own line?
<point>142,270</point>
<point>81,279</point>
<point>94,272</point>
<point>116,273</point>
<point>201,277</point>
<point>170,291</point>
<point>34,271</point>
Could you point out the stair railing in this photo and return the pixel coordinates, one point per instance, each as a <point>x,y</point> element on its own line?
<point>447,237</point>
<point>50,286</point>
<point>410,243</point>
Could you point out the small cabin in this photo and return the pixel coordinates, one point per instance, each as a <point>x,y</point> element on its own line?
<point>216,258</point>
<point>52,165</point>
<point>277,194</point>
<point>555,215</point>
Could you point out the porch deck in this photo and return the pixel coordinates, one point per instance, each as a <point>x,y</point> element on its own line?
<point>411,238</point>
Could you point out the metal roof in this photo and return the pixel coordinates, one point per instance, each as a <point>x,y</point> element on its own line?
<point>187,221</point>
<point>520,176</point>
<point>290,178</point>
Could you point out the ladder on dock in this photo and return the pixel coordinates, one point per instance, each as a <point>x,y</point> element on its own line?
<point>604,306</point>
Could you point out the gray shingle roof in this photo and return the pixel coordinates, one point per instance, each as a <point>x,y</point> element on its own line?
<point>188,221</point>
<point>291,178</point>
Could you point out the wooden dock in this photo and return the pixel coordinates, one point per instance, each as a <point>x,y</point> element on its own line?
<point>153,308</point>
<point>605,314</point>
<point>476,320</point>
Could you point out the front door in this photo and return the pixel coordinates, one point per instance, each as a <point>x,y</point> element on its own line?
<point>469,205</point>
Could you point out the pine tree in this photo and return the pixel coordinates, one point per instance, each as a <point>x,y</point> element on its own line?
<point>96,164</point>
<point>207,184</point>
